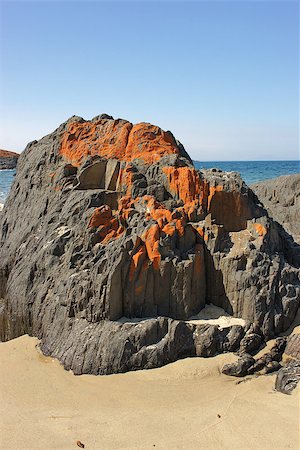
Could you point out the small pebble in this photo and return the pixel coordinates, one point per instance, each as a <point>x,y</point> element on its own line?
<point>80,444</point>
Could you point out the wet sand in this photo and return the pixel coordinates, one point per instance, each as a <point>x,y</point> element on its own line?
<point>185,405</point>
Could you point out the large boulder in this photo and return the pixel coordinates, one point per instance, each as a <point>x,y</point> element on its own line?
<point>107,219</point>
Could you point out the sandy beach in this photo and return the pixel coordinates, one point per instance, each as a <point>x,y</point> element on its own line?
<point>185,405</point>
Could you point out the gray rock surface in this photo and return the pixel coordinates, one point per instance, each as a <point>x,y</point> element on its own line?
<point>293,346</point>
<point>107,219</point>
<point>240,368</point>
<point>288,377</point>
<point>281,197</point>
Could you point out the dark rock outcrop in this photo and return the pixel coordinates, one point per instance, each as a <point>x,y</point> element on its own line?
<point>288,370</point>
<point>8,160</point>
<point>281,197</point>
<point>288,377</point>
<point>240,368</point>
<point>115,346</point>
<point>107,219</point>
<point>267,363</point>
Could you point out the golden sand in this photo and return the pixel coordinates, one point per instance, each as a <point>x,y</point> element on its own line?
<point>185,405</point>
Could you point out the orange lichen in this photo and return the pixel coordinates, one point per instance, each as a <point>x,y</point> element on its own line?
<point>184,183</point>
<point>161,215</point>
<point>212,191</point>
<point>121,140</point>
<point>149,143</point>
<point>191,208</point>
<point>151,239</point>
<point>113,234</point>
<point>260,229</point>
<point>107,225</point>
<point>116,139</point>
<point>169,222</point>
<point>100,216</point>
<point>137,260</point>
<point>125,202</point>
<point>107,138</point>
<point>108,236</point>
<point>200,230</point>
<point>169,229</point>
<point>140,254</point>
<point>125,178</point>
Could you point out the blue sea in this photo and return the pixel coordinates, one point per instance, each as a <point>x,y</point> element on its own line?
<point>6,179</point>
<point>251,171</point>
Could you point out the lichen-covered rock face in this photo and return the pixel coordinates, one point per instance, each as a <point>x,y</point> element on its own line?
<point>107,219</point>
<point>281,198</point>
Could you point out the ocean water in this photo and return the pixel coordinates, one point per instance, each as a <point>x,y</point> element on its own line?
<point>6,179</point>
<point>251,171</point>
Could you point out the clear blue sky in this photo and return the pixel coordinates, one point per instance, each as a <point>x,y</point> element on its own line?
<point>223,76</point>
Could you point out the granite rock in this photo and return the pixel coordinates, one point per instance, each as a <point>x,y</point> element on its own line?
<point>107,219</point>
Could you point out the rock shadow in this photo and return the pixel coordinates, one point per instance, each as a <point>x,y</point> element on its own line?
<point>215,290</point>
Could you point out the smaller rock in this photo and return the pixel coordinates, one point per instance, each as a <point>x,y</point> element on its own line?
<point>272,366</point>
<point>102,117</point>
<point>250,343</point>
<point>288,377</point>
<point>69,170</point>
<point>80,444</point>
<point>269,362</point>
<point>234,338</point>
<point>240,367</point>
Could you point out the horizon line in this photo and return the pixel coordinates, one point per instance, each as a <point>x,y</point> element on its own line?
<point>246,160</point>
